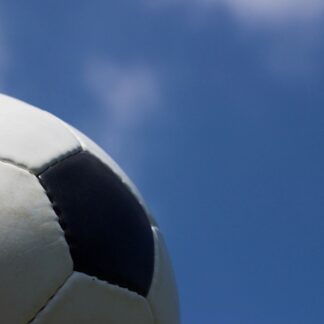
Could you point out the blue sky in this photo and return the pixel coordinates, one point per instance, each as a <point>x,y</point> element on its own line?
<point>215,110</point>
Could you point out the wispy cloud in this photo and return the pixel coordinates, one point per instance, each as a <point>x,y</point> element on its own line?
<point>256,10</point>
<point>290,29</point>
<point>128,94</point>
<point>276,10</point>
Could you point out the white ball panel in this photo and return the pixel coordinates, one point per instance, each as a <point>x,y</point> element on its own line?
<point>84,299</point>
<point>90,146</point>
<point>31,137</point>
<point>163,296</point>
<point>34,257</point>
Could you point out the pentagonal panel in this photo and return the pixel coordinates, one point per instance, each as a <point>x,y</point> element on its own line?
<point>85,300</point>
<point>163,297</point>
<point>34,256</point>
<point>106,228</point>
<point>31,137</point>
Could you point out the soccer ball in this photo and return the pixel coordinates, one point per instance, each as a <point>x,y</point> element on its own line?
<point>77,244</point>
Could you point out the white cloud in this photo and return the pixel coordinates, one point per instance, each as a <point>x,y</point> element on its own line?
<point>275,10</point>
<point>257,10</point>
<point>128,95</point>
<point>128,92</point>
<point>291,30</point>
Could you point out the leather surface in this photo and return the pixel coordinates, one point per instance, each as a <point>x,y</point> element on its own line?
<point>34,256</point>
<point>163,296</point>
<point>84,300</point>
<point>107,230</point>
<point>31,137</point>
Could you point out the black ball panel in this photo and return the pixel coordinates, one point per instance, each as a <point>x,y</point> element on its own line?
<point>107,230</point>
